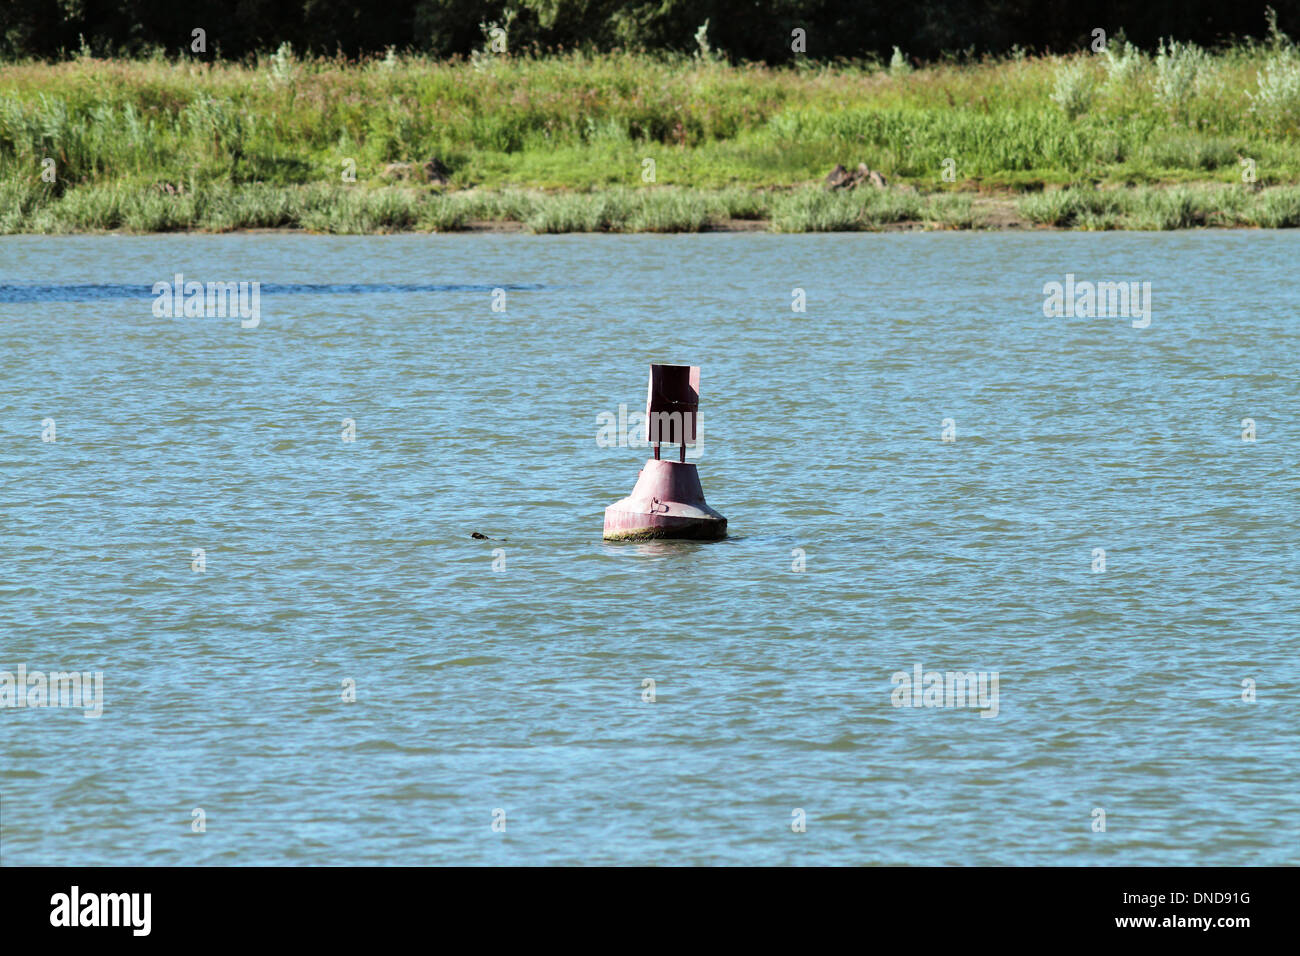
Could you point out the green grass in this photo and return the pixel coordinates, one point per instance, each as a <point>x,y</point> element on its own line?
<point>1151,208</point>
<point>222,207</point>
<point>559,144</point>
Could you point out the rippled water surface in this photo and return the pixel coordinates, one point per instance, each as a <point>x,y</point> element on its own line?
<point>520,689</point>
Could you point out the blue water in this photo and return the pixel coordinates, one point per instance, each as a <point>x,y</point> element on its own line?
<point>333,564</point>
<point>91,292</point>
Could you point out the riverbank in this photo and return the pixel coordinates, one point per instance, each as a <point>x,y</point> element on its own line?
<point>338,210</point>
<point>1124,139</point>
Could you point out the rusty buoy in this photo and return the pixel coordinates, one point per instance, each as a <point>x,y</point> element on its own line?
<point>668,500</point>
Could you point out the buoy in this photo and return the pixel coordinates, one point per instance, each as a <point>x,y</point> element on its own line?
<point>668,500</point>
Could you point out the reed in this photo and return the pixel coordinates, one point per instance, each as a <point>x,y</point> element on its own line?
<point>222,207</point>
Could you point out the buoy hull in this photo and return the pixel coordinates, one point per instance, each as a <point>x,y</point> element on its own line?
<point>667,502</point>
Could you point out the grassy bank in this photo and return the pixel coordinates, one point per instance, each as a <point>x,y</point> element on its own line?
<point>336,209</point>
<point>628,210</point>
<point>1123,139</point>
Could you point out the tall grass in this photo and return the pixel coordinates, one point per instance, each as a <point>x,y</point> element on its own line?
<point>578,121</point>
<point>560,143</point>
<point>339,209</point>
<point>1148,208</point>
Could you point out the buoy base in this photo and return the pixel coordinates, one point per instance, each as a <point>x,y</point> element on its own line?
<point>667,502</point>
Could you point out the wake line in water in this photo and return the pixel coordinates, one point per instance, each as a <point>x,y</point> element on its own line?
<point>92,292</point>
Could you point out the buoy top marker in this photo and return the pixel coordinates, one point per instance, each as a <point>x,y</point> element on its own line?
<point>672,405</point>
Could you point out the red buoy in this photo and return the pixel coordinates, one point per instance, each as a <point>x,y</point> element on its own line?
<point>668,500</point>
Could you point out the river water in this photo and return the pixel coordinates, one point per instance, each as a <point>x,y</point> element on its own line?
<point>502,708</point>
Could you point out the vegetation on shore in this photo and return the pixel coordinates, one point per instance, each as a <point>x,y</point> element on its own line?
<point>338,209</point>
<point>1118,139</point>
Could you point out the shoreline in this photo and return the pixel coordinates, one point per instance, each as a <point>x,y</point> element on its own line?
<point>623,211</point>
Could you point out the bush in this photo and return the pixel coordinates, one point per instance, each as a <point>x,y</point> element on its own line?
<point>1181,69</point>
<point>1161,209</point>
<point>1123,68</point>
<point>1277,100</point>
<point>815,210</point>
<point>1075,88</point>
<point>1276,209</point>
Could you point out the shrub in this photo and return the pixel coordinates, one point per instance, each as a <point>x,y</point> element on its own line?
<point>1124,67</point>
<point>1075,88</point>
<point>1277,100</point>
<point>1181,68</point>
